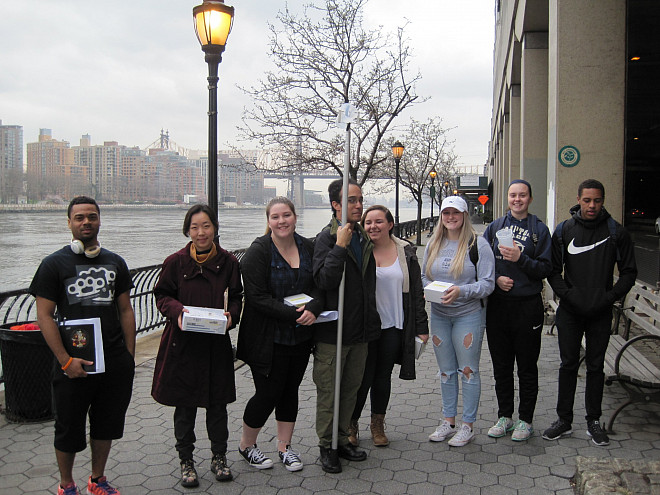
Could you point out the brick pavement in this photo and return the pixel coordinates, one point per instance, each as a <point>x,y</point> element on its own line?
<point>145,461</point>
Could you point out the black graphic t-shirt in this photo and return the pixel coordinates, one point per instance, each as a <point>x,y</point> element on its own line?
<point>85,288</point>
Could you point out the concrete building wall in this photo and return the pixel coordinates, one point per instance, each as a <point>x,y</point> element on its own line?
<point>559,80</point>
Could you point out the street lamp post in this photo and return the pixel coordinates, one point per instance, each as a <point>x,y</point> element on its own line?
<point>432,174</point>
<point>213,22</point>
<point>397,152</point>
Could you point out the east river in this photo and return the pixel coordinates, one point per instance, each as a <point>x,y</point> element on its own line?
<point>141,236</point>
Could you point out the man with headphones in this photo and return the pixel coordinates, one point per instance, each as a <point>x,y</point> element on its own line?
<point>84,281</point>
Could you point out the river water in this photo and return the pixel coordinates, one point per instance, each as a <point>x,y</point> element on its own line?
<point>141,236</point>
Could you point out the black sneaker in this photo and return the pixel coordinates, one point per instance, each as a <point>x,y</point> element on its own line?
<point>557,430</point>
<point>255,457</point>
<point>598,436</point>
<point>291,459</point>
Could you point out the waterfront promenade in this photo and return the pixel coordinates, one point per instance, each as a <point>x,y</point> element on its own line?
<point>145,461</point>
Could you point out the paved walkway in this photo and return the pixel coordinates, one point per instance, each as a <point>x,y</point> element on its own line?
<point>144,461</point>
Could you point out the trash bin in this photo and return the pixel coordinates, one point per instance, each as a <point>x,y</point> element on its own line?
<point>27,364</point>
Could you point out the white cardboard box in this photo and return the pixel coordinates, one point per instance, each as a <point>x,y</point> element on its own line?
<point>435,290</point>
<point>205,320</point>
<point>297,300</point>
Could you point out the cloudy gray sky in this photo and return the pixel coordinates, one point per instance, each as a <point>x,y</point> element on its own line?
<point>121,70</point>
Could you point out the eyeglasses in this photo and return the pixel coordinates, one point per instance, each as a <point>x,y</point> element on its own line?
<point>352,200</point>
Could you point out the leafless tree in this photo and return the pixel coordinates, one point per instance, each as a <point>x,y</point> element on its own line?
<point>427,148</point>
<point>325,57</point>
<point>11,184</point>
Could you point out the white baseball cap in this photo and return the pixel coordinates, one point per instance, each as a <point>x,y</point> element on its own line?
<point>454,202</point>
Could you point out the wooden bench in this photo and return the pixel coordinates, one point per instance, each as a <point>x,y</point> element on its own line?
<point>625,359</point>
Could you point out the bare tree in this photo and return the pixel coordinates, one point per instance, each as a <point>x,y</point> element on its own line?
<point>11,184</point>
<point>426,148</point>
<point>325,57</point>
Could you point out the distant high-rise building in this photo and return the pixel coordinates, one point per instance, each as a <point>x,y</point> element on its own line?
<point>11,147</point>
<point>11,162</point>
<point>48,162</point>
<point>240,180</point>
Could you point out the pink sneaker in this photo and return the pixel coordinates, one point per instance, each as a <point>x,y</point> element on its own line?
<point>70,489</point>
<point>101,487</point>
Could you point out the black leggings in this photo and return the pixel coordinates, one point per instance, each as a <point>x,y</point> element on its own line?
<point>383,353</point>
<point>279,390</point>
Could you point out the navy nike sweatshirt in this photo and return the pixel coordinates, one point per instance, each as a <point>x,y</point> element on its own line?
<point>583,260</point>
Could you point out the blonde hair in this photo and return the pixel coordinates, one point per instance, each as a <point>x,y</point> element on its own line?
<point>466,238</point>
<point>281,200</point>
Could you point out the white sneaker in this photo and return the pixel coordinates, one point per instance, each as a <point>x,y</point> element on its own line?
<point>522,431</point>
<point>501,428</point>
<point>462,437</point>
<point>443,431</point>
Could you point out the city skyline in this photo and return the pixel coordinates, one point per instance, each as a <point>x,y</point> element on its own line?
<point>121,78</point>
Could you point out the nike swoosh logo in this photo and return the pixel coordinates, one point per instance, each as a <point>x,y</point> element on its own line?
<point>537,326</point>
<point>573,249</point>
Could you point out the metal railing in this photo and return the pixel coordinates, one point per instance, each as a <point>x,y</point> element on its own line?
<point>19,306</point>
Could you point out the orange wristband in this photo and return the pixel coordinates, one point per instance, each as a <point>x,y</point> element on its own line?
<point>68,363</point>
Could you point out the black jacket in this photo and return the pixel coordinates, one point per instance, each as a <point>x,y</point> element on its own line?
<point>583,250</point>
<point>415,319</point>
<point>262,311</point>
<point>361,322</point>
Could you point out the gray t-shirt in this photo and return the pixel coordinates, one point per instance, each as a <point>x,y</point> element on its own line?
<point>472,288</point>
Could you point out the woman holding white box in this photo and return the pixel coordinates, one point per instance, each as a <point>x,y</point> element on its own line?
<point>275,338</point>
<point>196,369</point>
<point>400,304</point>
<point>458,321</point>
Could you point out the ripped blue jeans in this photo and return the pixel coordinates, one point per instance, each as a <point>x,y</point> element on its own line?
<point>457,346</point>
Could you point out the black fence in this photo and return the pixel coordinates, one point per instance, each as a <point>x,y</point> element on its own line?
<point>18,306</point>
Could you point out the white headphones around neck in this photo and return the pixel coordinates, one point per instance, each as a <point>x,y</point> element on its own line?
<point>79,248</point>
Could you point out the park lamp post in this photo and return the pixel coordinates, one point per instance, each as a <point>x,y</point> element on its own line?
<point>213,21</point>
<point>397,153</point>
<point>433,175</point>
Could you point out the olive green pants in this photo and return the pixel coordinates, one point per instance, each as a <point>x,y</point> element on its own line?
<point>353,359</point>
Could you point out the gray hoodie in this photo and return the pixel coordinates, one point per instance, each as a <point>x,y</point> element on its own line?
<point>472,288</point>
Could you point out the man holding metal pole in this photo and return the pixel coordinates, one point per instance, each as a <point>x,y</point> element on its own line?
<point>343,262</point>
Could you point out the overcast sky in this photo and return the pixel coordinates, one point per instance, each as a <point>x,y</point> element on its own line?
<point>121,70</point>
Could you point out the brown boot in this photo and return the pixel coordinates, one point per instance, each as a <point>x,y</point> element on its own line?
<point>354,432</point>
<point>378,430</point>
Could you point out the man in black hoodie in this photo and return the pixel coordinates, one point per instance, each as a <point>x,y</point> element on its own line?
<point>585,248</point>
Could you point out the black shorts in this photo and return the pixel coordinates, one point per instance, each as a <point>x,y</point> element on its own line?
<point>105,396</point>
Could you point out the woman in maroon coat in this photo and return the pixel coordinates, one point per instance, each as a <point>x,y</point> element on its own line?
<point>196,369</point>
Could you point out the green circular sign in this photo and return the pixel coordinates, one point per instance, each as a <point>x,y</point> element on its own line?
<point>569,156</point>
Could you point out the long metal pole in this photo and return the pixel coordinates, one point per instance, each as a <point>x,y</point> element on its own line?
<point>213,60</point>
<point>396,201</point>
<point>340,299</point>
<point>432,201</point>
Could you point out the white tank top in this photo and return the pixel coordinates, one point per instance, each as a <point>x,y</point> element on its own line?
<point>389,295</point>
